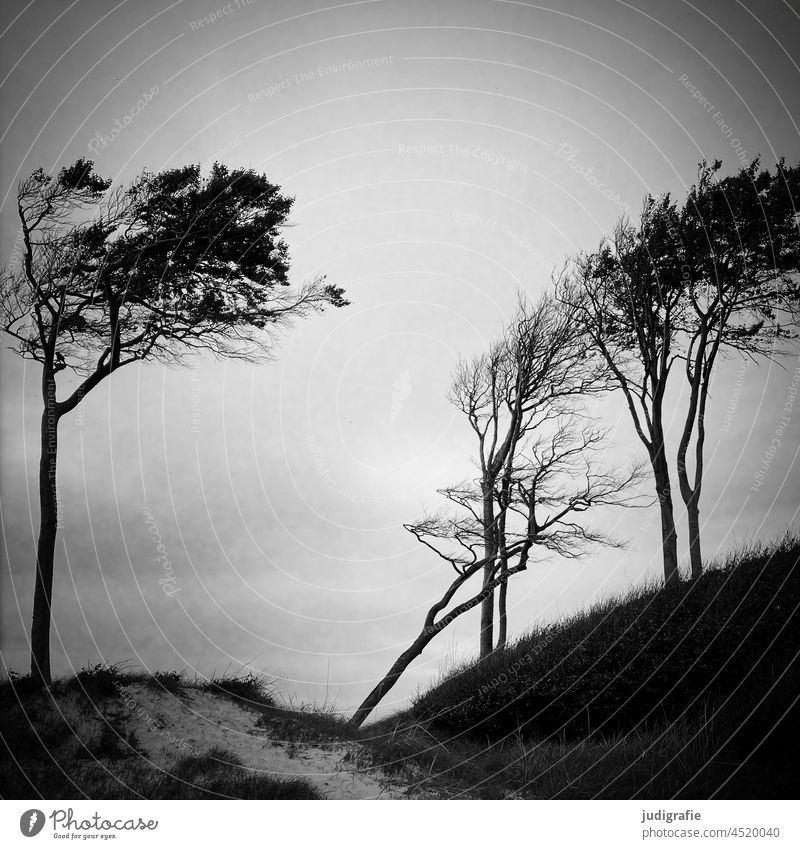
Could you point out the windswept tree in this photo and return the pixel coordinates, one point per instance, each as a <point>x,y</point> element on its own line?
<point>171,265</point>
<point>628,297</point>
<point>688,285</point>
<point>737,238</point>
<point>532,373</point>
<point>552,478</point>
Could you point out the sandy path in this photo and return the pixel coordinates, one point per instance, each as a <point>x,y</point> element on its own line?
<point>170,726</point>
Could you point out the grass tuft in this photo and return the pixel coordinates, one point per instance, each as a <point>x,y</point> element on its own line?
<point>252,689</point>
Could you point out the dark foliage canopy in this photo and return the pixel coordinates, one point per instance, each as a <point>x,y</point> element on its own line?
<point>175,262</point>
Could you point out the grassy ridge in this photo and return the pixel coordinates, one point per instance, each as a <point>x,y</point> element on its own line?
<point>648,657</point>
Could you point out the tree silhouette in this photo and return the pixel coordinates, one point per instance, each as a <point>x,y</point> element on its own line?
<point>547,482</point>
<point>171,265</point>
<point>527,377</point>
<point>691,283</point>
<point>628,298</point>
<point>738,241</point>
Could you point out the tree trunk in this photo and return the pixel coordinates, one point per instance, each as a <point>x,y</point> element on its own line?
<point>698,383</point>
<point>669,537</point>
<point>432,628</point>
<point>45,549</point>
<point>695,554</point>
<point>487,607</point>
<point>390,679</point>
<point>691,498</point>
<point>502,615</point>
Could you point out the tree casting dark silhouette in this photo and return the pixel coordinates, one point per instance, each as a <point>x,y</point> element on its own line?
<point>171,265</point>
<point>549,478</point>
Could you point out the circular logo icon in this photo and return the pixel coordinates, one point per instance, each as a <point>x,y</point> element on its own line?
<point>31,822</point>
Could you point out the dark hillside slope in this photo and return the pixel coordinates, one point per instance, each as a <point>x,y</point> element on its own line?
<point>720,648</point>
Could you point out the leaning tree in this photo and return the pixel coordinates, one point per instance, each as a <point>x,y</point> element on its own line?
<point>628,298</point>
<point>173,264</point>
<point>538,366</point>
<point>689,284</point>
<point>549,480</point>
<point>737,239</point>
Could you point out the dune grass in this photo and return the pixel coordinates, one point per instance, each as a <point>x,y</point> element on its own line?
<point>251,688</point>
<point>48,756</point>
<point>217,776</point>
<point>652,763</point>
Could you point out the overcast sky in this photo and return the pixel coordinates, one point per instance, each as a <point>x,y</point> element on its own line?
<point>442,155</point>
